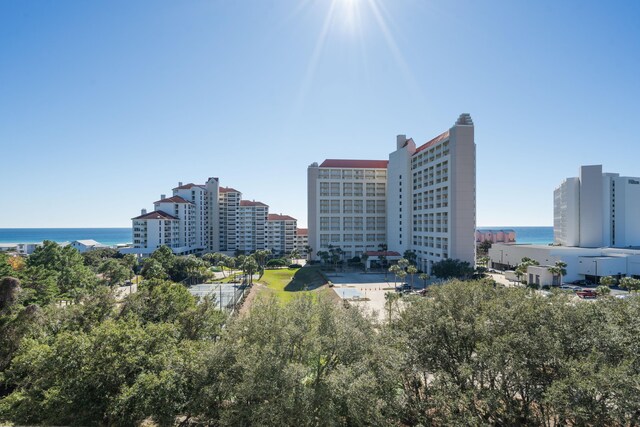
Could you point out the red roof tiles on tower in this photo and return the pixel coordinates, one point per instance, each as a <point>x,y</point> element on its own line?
<point>276,217</point>
<point>228,190</point>
<point>156,215</point>
<point>434,141</point>
<point>189,186</point>
<point>302,231</point>
<point>345,163</point>
<point>174,199</point>
<point>250,203</point>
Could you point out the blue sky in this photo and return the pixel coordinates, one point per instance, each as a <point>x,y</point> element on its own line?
<point>104,105</point>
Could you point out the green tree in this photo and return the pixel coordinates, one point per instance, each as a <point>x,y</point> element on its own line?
<point>607,281</point>
<point>114,272</point>
<point>40,285</point>
<point>452,268</point>
<point>630,284</point>
<point>485,246</point>
<point>412,270</point>
<point>603,290</point>
<point>411,256</point>
<point>152,269</point>
<point>424,277</point>
<point>5,268</point>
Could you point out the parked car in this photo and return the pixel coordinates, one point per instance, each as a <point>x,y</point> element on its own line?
<point>570,288</point>
<point>587,294</point>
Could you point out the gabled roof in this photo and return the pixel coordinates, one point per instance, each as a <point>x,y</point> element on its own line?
<point>346,163</point>
<point>434,141</point>
<point>156,215</point>
<point>302,231</point>
<point>251,203</point>
<point>88,242</point>
<point>174,199</point>
<point>228,190</point>
<point>189,186</point>
<point>276,217</point>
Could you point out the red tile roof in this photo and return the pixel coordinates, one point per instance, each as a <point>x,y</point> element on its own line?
<point>345,163</point>
<point>250,203</point>
<point>228,190</point>
<point>302,231</point>
<point>434,141</point>
<point>276,217</point>
<point>156,215</point>
<point>188,186</point>
<point>382,253</point>
<point>174,199</point>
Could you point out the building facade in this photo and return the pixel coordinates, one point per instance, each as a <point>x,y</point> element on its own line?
<point>347,205</point>
<point>281,234</point>
<point>597,209</point>
<point>205,218</point>
<point>302,240</point>
<point>422,199</point>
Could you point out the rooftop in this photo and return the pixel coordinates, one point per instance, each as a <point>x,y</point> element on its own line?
<point>276,217</point>
<point>188,186</point>
<point>363,164</point>
<point>443,136</point>
<point>302,231</point>
<point>174,199</point>
<point>228,190</point>
<point>251,203</point>
<point>156,215</point>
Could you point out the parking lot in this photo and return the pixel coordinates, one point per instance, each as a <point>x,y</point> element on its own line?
<point>367,290</point>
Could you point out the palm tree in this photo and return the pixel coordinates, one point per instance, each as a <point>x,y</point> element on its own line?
<point>295,254</point>
<point>383,257</point>
<point>424,277</point>
<point>412,270</point>
<point>555,271</point>
<point>562,269</point>
<point>395,269</point>
<point>364,258</point>
<point>308,250</point>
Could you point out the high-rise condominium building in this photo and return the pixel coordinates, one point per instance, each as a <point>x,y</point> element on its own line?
<point>422,199</point>
<point>208,218</point>
<point>347,205</point>
<point>281,233</point>
<point>597,210</point>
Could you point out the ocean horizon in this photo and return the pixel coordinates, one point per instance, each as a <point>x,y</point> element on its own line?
<point>539,235</point>
<point>533,235</point>
<point>106,236</point>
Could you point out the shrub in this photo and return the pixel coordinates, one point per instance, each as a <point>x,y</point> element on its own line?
<point>295,266</point>
<point>276,262</point>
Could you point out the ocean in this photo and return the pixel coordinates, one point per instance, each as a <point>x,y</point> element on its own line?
<point>530,235</point>
<point>114,236</point>
<point>106,236</point>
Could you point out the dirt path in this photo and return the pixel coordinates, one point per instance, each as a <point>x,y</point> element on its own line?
<point>248,301</point>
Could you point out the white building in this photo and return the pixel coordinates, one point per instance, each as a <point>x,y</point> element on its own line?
<point>421,199</point>
<point>302,240</point>
<point>597,210</point>
<point>582,263</point>
<point>229,202</point>
<point>347,205</point>
<point>185,211</point>
<point>432,196</point>
<point>281,234</point>
<point>198,196</point>
<point>87,245</point>
<point>251,226</point>
<point>204,218</point>
<point>154,229</point>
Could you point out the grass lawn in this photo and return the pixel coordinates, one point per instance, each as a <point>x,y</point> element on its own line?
<point>286,283</point>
